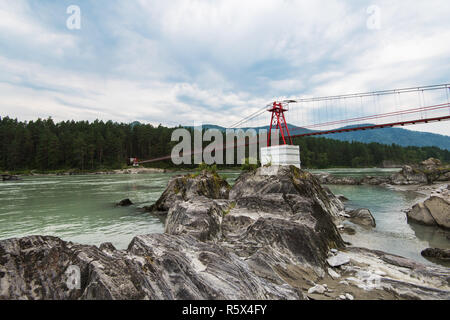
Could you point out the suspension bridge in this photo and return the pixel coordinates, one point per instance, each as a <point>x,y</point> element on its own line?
<point>313,116</point>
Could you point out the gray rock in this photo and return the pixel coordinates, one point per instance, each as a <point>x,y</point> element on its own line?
<point>158,266</point>
<point>408,175</point>
<point>184,188</point>
<point>333,274</point>
<point>436,253</point>
<point>431,163</point>
<point>124,203</point>
<point>287,180</point>
<point>338,260</point>
<point>362,217</point>
<point>439,209</point>
<point>107,246</point>
<point>317,289</point>
<point>433,211</point>
<point>426,171</point>
<point>419,213</point>
<point>199,217</point>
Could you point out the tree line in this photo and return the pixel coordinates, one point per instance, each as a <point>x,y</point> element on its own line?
<point>44,145</point>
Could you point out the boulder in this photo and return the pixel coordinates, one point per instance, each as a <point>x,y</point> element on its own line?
<point>333,274</point>
<point>408,175</point>
<point>338,260</point>
<point>183,188</point>
<point>433,211</point>
<point>124,203</point>
<point>419,213</point>
<point>362,217</point>
<point>431,164</point>
<point>436,253</point>
<point>317,289</point>
<point>439,209</point>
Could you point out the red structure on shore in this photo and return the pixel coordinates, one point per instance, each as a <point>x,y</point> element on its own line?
<point>278,121</point>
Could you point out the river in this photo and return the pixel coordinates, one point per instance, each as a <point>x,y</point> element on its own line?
<point>82,209</point>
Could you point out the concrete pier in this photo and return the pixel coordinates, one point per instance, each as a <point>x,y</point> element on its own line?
<point>281,155</point>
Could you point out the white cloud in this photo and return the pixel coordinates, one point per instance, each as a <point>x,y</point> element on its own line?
<point>20,24</point>
<point>179,61</point>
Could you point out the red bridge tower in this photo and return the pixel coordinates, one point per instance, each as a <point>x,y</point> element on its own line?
<point>278,121</point>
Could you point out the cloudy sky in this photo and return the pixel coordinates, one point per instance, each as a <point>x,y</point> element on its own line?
<point>173,62</point>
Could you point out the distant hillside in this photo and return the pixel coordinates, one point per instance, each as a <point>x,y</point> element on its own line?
<point>398,136</point>
<point>388,136</point>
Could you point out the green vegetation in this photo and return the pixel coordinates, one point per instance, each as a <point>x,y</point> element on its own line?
<point>227,211</point>
<point>203,166</point>
<point>433,175</point>
<point>46,146</point>
<point>247,166</point>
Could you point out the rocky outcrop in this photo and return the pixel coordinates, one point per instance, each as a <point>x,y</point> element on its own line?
<point>434,211</point>
<point>183,188</point>
<point>328,178</point>
<point>273,237</point>
<point>431,164</point>
<point>159,266</point>
<point>362,217</point>
<point>408,175</point>
<point>420,213</point>
<point>375,180</point>
<point>272,218</point>
<point>437,253</point>
<point>199,217</point>
<point>427,171</point>
<point>286,180</point>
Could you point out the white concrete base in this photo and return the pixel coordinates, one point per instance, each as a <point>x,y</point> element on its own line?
<point>283,155</point>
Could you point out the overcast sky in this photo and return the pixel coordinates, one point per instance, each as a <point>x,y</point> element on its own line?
<point>173,62</point>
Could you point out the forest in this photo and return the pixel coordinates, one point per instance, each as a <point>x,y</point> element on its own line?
<point>46,146</point>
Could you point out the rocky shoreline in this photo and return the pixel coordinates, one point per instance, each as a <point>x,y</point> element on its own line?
<point>273,235</point>
<point>427,172</point>
<point>138,170</point>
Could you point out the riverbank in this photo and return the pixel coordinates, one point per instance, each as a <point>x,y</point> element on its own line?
<point>73,172</point>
